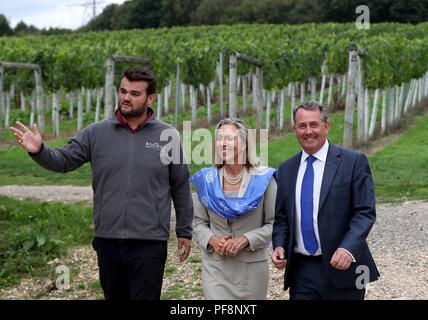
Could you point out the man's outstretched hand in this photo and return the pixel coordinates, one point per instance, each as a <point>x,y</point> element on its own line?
<point>30,141</point>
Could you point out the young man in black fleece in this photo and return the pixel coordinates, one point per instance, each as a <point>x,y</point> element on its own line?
<point>134,181</point>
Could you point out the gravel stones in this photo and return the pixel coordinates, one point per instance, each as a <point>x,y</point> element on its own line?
<point>398,242</point>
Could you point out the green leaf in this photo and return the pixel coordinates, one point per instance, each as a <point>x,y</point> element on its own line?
<point>27,245</point>
<point>56,241</point>
<point>41,240</point>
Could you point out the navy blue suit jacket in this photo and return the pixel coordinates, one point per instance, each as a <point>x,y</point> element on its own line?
<point>345,216</point>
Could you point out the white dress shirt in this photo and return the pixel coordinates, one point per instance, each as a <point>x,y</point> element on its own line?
<point>318,165</point>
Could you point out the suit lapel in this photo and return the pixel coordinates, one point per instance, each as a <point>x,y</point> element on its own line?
<point>292,185</point>
<point>330,170</point>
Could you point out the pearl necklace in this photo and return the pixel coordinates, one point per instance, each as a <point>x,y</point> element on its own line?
<point>235,180</point>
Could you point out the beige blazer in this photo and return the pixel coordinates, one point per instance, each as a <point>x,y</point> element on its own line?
<point>207,223</point>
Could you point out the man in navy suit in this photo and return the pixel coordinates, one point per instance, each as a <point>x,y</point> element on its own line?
<point>325,208</point>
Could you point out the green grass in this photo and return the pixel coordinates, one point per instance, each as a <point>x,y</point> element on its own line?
<point>398,174</point>
<point>176,291</point>
<point>65,125</point>
<point>31,234</point>
<point>16,167</point>
<point>170,270</point>
<point>393,180</point>
<point>95,284</point>
<point>195,260</point>
<point>34,233</point>
<point>400,168</point>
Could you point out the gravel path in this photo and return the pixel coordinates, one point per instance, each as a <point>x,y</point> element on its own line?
<point>65,194</point>
<point>398,241</point>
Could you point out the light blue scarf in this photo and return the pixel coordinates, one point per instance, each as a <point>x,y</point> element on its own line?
<point>211,195</point>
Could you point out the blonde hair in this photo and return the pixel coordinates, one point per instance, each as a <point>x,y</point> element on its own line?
<point>251,159</point>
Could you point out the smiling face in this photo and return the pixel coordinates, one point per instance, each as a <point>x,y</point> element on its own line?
<point>229,145</point>
<point>310,130</point>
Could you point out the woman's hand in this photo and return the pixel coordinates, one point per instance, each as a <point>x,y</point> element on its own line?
<point>233,246</point>
<point>218,243</point>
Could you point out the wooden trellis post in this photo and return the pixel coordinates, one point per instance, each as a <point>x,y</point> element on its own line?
<point>350,96</point>
<point>39,88</point>
<point>177,94</point>
<point>233,90</point>
<point>233,60</point>
<point>1,97</point>
<point>111,59</point>
<point>220,79</point>
<point>362,114</point>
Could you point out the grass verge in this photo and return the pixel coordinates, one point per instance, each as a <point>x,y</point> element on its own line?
<point>16,167</point>
<point>400,168</point>
<point>33,233</point>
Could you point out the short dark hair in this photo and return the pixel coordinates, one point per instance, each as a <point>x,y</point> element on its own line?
<point>141,74</point>
<point>311,105</point>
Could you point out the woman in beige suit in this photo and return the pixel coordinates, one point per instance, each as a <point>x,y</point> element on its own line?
<point>234,215</point>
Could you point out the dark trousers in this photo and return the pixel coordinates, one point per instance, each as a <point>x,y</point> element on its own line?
<point>309,282</point>
<point>131,269</point>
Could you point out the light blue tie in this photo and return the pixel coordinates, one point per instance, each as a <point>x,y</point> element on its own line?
<point>307,205</point>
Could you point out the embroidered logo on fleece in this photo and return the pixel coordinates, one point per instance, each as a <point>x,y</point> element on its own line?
<point>154,146</point>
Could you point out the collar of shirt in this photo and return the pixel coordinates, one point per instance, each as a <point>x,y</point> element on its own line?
<point>321,154</point>
<point>122,121</point>
<point>318,167</point>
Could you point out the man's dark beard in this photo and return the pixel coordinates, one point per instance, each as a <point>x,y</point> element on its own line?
<point>134,113</point>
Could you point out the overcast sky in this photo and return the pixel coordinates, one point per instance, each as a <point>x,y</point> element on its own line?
<point>52,13</point>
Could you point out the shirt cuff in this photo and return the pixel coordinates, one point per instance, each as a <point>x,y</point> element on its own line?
<point>353,259</point>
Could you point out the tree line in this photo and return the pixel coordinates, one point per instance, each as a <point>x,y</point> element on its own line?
<point>167,13</point>
<point>141,14</point>
<point>22,29</point>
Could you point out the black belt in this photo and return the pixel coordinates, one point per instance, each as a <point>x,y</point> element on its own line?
<point>307,257</point>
